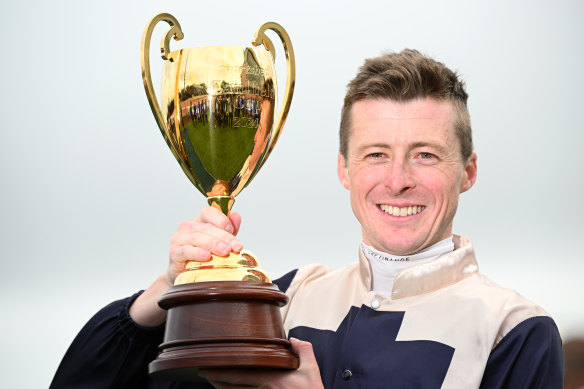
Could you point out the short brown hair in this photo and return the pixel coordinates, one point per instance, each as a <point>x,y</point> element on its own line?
<point>406,76</point>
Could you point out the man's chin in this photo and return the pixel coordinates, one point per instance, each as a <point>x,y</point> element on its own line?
<point>401,247</point>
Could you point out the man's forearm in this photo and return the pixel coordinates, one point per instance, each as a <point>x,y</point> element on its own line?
<point>145,310</point>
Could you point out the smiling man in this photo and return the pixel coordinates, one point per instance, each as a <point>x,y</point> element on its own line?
<point>405,170</point>
<point>412,312</point>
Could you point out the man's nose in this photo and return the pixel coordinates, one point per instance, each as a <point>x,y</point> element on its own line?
<point>398,177</point>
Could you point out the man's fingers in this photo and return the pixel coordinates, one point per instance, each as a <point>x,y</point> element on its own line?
<point>209,233</point>
<point>306,376</point>
<point>185,253</point>
<point>304,351</point>
<point>215,217</point>
<point>235,221</point>
<point>210,238</point>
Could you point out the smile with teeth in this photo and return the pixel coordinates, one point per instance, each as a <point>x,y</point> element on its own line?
<point>401,211</point>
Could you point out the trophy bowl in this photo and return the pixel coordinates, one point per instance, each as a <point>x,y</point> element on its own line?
<point>217,114</point>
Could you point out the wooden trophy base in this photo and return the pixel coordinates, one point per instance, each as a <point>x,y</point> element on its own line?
<point>222,324</point>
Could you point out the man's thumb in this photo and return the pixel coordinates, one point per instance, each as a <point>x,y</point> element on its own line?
<point>303,349</point>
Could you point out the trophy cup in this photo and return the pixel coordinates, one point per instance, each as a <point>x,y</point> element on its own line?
<point>217,117</point>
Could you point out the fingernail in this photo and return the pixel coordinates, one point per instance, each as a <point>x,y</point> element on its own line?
<point>229,229</point>
<point>236,245</point>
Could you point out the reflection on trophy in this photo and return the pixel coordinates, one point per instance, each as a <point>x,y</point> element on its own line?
<point>217,116</point>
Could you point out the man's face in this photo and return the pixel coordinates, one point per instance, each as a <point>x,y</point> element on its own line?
<point>405,172</point>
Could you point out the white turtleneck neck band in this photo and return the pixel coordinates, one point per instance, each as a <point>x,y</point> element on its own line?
<point>384,266</point>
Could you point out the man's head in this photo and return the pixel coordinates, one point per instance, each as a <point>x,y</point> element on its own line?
<point>407,151</point>
<point>406,76</point>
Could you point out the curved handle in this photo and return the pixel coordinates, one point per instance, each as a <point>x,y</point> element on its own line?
<point>261,38</point>
<point>175,32</point>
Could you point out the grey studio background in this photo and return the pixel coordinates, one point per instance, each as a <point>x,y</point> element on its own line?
<point>91,194</point>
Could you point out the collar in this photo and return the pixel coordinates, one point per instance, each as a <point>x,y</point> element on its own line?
<point>427,277</point>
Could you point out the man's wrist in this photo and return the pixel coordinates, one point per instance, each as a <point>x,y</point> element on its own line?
<point>145,310</point>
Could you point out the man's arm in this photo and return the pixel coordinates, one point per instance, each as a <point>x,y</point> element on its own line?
<point>114,348</point>
<point>111,351</point>
<point>117,344</point>
<point>529,356</point>
<point>210,232</point>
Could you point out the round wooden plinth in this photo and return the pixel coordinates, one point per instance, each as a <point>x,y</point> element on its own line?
<point>222,324</point>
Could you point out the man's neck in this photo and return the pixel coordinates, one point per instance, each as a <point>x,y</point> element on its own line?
<point>384,266</point>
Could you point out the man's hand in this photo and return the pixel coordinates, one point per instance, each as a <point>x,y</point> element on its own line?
<point>307,376</point>
<point>209,233</point>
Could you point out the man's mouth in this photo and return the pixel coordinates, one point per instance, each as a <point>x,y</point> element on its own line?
<point>401,211</point>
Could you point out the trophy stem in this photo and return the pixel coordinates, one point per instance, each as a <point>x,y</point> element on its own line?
<point>222,203</point>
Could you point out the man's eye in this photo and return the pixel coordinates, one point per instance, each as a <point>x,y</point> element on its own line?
<point>375,155</point>
<point>427,155</point>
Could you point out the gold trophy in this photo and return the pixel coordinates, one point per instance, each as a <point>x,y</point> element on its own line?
<point>217,117</point>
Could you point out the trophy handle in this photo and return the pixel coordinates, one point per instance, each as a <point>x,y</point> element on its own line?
<point>145,62</point>
<point>177,33</point>
<point>261,38</point>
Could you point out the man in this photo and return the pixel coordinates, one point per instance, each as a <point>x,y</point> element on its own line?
<point>412,312</point>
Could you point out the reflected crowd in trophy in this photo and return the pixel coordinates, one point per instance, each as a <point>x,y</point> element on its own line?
<point>234,108</point>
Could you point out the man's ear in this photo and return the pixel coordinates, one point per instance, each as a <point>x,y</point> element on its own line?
<point>343,172</point>
<point>470,173</point>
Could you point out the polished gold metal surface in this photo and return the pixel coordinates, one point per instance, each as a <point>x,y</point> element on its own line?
<point>218,117</point>
<point>236,266</point>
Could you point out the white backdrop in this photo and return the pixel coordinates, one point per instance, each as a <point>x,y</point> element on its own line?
<point>91,195</point>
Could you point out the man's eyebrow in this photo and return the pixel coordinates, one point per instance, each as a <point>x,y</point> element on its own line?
<point>437,146</point>
<point>380,144</point>
<point>370,145</point>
